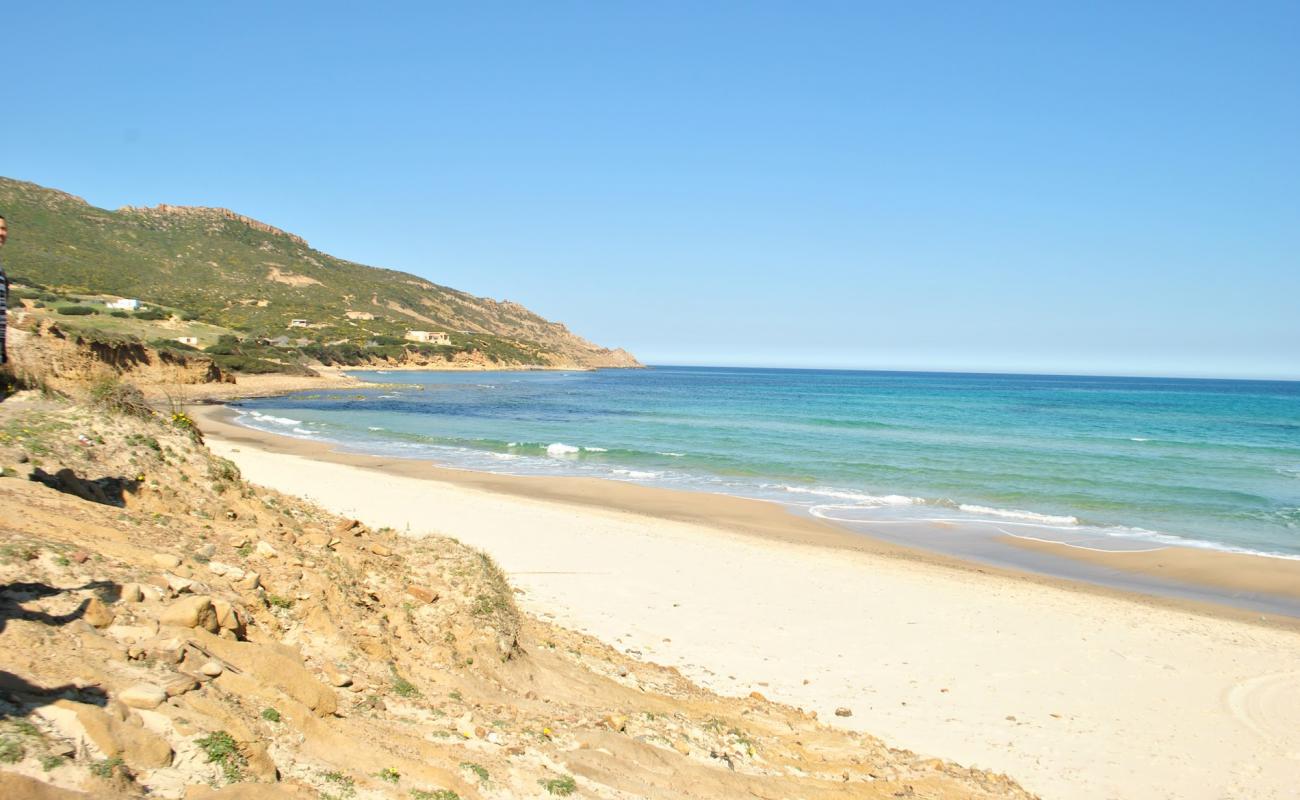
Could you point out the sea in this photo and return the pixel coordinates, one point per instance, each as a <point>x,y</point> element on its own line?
<point>1106,463</point>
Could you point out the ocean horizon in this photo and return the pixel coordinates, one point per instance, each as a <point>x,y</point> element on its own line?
<point>1103,462</point>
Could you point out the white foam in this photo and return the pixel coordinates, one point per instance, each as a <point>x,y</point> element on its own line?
<point>1137,439</point>
<point>636,473</point>
<point>304,431</point>
<point>596,449</point>
<point>864,499</point>
<point>1046,519</point>
<point>276,420</point>
<point>561,449</point>
<point>674,455</point>
<point>374,428</point>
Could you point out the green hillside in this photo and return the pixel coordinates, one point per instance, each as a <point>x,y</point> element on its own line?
<point>224,269</point>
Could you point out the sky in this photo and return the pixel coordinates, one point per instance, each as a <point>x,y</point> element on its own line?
<point>1048,187</point>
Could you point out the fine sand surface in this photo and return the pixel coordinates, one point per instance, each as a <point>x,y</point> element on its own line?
<point>1076,694</point>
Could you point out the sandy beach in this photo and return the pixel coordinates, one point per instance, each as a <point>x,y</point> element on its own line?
<point>1077,692</point>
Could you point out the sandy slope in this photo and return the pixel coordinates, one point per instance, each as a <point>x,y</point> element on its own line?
<point>1075,694</point>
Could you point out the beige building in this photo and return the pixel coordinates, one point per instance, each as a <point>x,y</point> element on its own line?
<point>359,315</point>
<point>428,337</point>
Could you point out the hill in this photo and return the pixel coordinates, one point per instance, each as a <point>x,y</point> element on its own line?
<point>219,267</point>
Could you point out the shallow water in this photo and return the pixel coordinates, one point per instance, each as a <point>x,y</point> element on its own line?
<point>1111,463</point>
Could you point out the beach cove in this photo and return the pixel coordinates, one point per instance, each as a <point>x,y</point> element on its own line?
<point>1078,692</point>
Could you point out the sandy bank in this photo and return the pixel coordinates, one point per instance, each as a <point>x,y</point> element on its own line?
<point>1075,694</point>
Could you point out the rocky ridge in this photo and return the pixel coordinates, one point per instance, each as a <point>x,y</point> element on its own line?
<point>163,211</point>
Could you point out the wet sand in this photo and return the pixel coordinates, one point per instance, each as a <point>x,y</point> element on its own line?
<point>1076,691</point>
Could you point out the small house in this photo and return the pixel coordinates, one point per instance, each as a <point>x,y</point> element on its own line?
<point>299,323</point>
<point>428,337</point>
<point>125,304</point>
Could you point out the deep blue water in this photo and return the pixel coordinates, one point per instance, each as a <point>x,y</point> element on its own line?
<point>1211,462</point>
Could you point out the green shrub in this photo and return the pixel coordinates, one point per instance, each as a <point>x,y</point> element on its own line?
<point>221,749</point>
<point>108,768</point>
<point>77,311</point>
<point>562,786</point>
<point>270,715</point>
<point>121,397</point>
<point>402,687</point>
<point>11,750</point>
<point>119,314</point>
<point>151,314</point>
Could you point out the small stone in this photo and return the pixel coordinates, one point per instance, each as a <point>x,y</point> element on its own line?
<point>757,696</point>
<point>96,613</point>
<point>166,560</point>
<point>180,685</point>
<point>176,584</point>
<point>422,594</point>
<point>142,696</point>
<point>346,525</point>
<point>131,593</point>
<point>212,668</point>
<point>264,550</point>
<point>251,580</point>
<point>191,612</point>
<point>616,722</point>
<point>315,540</point>
<point>379,550</point>
<point>682,747</point>
<point>336,678</point>
<point>843,712</point>
<point>218,568</point>
<point>79,556</point>
<point>238,540</point>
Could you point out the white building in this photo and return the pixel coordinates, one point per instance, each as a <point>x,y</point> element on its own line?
<point>299,323</point>
<point>428,337</point>
<point>124,303</point>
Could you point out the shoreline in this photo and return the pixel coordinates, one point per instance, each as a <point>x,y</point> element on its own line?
<point>1139,576</point>
<point>1076,691</point>
<point>334,377</point>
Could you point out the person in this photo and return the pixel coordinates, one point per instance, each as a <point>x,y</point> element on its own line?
<point>4,295</point>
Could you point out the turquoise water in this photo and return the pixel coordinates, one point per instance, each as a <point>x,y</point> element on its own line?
<point>1123,462</point>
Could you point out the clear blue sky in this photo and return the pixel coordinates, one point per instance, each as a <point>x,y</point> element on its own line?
<point>1084,187</point>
